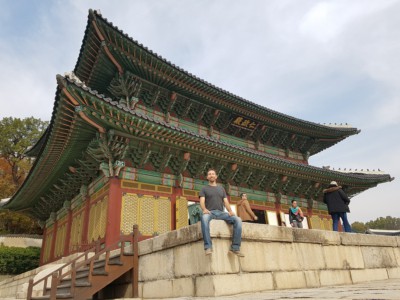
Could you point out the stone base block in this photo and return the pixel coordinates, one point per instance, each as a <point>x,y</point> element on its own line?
<point>334,277</point>
<point>343,257</point>
<point>368,240</point>
<point>314,236</point>
<point>197,263</point>
<point>379,257</point>
<point>183,287</point>
<point>289,280</point>
<point>310,256</point>
<point>312,279</point>
<point>393,272</point>
<point>258,232</point>
<point>233,284</point>
<point>156,266</point>
<point>263,257</point>
<point>358,276</point>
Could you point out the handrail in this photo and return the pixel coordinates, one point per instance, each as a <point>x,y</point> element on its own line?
<point>58,275</point>
<point>45,278</point>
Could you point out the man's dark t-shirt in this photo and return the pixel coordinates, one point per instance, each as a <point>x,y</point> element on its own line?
<point>214,197</point>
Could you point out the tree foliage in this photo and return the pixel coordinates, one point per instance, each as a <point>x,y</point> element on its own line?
<point>12,222</point>
<point>16,137</point>
<point>358,227</point>
<point>388,223</point>
<point>14,260</point>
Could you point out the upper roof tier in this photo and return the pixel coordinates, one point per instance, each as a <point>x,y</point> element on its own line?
<point>107,51</point>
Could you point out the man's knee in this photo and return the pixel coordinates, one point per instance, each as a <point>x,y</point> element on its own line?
<point>205,217</point>
<point>237,220</point>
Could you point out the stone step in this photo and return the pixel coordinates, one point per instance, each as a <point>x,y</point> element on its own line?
<point>58,296</point>
<point>99,273</point>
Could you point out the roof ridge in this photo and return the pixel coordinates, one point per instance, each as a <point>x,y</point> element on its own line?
<point>93,14</point>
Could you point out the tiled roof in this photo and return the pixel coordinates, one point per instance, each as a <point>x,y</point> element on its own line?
<point>227,97</point>
<point>244,150</point>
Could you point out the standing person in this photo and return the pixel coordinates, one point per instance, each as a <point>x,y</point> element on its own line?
<point>338,205</point>
<point>212,201</point>
<point>296,215</point>
<point>244,210</point>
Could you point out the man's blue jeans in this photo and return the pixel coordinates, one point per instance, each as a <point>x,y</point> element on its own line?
<point>335,219</point>
<point>220,215</point>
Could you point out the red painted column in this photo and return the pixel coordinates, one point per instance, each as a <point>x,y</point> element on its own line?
<point>68,234</point>
<point>53,242</point>
<point>85,227</point>
<point>43,245</point>
<point>176,192</point>
<point>113,230</point>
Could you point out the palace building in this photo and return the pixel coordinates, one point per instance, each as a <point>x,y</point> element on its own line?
<point>132,136</point>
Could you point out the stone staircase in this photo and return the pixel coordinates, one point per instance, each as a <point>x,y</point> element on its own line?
<point>88,274</point>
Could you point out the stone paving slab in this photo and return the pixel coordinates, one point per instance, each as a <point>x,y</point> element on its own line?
<point>375,290</point>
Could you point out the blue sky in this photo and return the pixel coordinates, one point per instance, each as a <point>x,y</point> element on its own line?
<point>321,61</point>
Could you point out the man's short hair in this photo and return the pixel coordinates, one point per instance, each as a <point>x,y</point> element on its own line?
<point>241,194</point>
<point>294,200</point>
<point>211,169</point>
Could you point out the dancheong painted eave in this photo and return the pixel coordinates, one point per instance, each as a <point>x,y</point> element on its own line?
<point>106,50</point>
<point>80,113</point>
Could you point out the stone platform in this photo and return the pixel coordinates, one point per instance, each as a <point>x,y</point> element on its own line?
<point>174,265</point>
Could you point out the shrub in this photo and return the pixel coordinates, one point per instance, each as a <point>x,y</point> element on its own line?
<point>14,260</point>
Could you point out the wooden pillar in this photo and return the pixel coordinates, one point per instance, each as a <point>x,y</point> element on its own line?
<point>68,234</point>
<point>176,192</point>
<point>43,245</point>
<point>53,242</point>
<point>113,229</point>
<point>85,226</point>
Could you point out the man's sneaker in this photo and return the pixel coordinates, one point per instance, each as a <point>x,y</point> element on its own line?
<point>208,251</point>
<point>236,252</point>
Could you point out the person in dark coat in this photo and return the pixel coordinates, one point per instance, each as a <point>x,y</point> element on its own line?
<point>338,205</point>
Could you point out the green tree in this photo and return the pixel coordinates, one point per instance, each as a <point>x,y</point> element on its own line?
<point>388,222</point>
<point>358,227</point>
<point>12,222</point>
<point>15,260</point>
<point>16,137</point>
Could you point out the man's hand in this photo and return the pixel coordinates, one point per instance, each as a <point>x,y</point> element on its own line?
<point>206,211</point>
<point>231,213</point>
<point>255,218</point>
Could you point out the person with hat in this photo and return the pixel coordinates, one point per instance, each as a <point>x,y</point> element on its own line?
<point>338,205</point>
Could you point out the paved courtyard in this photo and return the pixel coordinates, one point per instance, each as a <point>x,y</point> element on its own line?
<point>385,289</point>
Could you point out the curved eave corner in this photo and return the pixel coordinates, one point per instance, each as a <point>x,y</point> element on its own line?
<point>35,151</point>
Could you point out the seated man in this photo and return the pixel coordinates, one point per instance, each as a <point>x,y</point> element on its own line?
<point>244,210</point>
<point>212,201</point>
